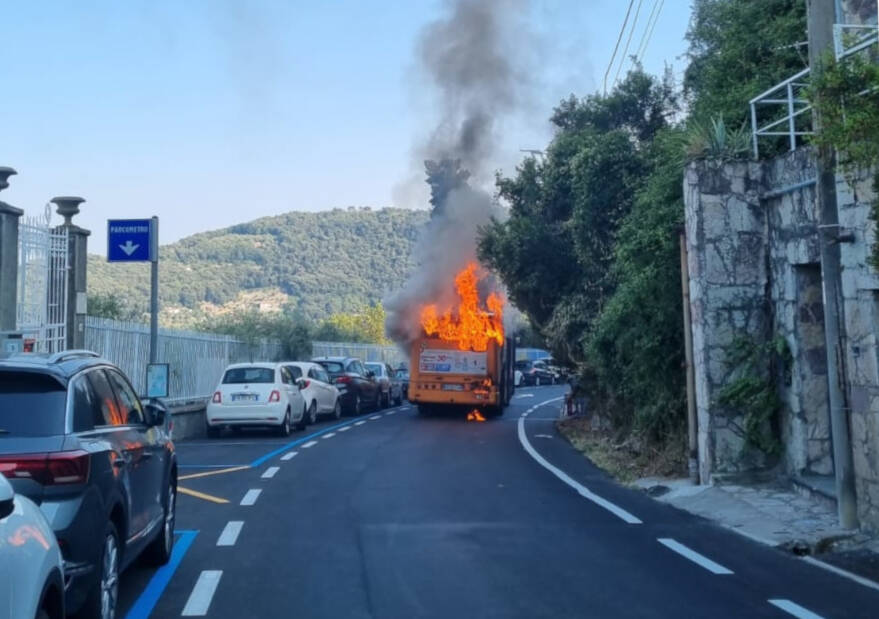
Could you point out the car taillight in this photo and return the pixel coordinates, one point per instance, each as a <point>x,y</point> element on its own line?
<point>275,396</point>
<point>306,384</point>
<point>54,469</point>
<point>343,379</point>
<point>218,398</point>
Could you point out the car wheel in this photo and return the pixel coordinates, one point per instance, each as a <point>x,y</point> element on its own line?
<point>303,423</point>
<point>159,551</point>
<point>284,430</point>
<point>101,600</point>
<point>337,410</point>
<point>358,407</point>
<point>399,399</point>
<point>312,412</point>
<point>537,381</point>
<point>386,399</point>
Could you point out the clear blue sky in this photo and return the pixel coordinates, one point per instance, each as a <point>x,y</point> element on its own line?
<point>209,112</point>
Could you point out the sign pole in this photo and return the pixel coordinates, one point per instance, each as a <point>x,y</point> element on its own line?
<point>154,289</point>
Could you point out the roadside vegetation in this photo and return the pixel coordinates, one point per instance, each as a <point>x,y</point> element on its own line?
<point>590,251</point>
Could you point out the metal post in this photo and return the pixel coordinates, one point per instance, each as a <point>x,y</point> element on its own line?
<point>154,290</point>
<point>692,420</point>
<point>754,130</point>
<point>792,121</point>
<point>820,23</point>
<point>9,217</point>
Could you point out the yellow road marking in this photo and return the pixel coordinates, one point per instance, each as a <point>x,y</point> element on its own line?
<point>201,495</point>
<point>215,472</point>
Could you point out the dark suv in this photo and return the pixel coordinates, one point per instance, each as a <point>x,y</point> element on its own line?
<point>357,386</point>
<point>76,439</point>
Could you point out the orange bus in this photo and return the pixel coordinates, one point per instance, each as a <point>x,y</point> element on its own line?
<point>443,376</point>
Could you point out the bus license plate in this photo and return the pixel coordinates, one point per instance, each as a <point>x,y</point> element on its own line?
<point>453,387</point>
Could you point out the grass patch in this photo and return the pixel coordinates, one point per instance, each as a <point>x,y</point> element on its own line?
<point>629,459</point>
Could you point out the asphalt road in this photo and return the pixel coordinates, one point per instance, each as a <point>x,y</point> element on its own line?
<point>396,516</point>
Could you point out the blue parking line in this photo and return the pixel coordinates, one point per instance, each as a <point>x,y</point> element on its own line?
<point>154,589</point>
<point>263,459</point>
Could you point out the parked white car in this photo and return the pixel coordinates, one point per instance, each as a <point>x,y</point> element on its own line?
<point>256,394</point>
<point>321,396</point>
<point>31,572</point>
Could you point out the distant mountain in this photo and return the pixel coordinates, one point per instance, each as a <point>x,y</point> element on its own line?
<point>315,262</point>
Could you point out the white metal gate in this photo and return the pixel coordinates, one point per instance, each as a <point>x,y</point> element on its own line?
<point>41,312</point>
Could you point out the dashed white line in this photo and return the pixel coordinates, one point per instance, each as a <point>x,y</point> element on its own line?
<point>359,423</point>
<point>270,472</point>
<point>375,417</point>
<point>329,435</point>
<point>695,557</point>
<point>250,496</point>
<point>344,428</point>
<point>309,444</point>
<point>585,492</point>
<point>524,395</point>
<point>202,593</point>
<point>391,413</point>
<point>794,609</point>
<point>230,533</point>
<point>289,455</point>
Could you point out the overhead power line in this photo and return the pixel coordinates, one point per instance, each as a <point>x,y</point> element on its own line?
<point>648,29</point>
<point>628,42</point>
<point>617,46</point>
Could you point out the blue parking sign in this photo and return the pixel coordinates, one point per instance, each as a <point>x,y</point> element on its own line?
<point>128,240</point>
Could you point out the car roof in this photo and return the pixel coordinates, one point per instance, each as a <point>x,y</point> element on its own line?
<point>268,365</point>
<point>302,364</point>
<point>335,359</point>
<point>62,366</point>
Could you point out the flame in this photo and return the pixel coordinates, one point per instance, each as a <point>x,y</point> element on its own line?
<point>469,326</point>
<point>475,415</point>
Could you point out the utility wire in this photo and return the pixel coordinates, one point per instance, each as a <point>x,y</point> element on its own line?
<point>628,42</point>
<point>617,46</point>
<point>648,30</point>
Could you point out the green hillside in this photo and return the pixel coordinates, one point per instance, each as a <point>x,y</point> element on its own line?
<point>318,263</point>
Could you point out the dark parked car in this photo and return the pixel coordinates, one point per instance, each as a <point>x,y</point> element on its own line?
<point>535,372</point>
<point>76,440</point>
<point>391,390</point>
<point>358,388</point>
<point>402,375</point>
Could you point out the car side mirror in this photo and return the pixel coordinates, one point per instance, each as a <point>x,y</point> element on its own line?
<point>370,374</point>
<point>300,382</point>
<point>155,413</point>
<point>7,497</point>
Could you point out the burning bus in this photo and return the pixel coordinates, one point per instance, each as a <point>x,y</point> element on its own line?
<point>463,359</point>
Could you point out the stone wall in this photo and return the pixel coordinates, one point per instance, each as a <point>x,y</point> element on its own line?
<point>860,291</point>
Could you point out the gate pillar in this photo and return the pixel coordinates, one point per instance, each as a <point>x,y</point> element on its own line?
<point>9,216</point>
<point>77,260</point>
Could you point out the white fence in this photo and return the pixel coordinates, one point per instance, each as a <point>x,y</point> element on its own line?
<point>391,355</point>
<point>196,359</point>
<point>41,307</point>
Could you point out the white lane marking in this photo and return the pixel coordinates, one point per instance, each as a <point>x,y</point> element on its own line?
<point>692,555</point>
<point>270,472</point>
<point>309,444</point>
<point>841,572</point>
<point>250,496</point>
<point>359,423</point>
<point>794,609</point>
<point>344,428</point>
<point>585,492</point>
<point>230,533</point>
<point>289,455</point>
<point>405,408</point>
<point>202,593</point>
<point>329,435</point>
<point>375,417</point>
<point>524,395</point>
<point>391,413</point>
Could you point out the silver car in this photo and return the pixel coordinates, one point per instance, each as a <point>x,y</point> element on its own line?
<point>390,385</point>
<point>31,576</point>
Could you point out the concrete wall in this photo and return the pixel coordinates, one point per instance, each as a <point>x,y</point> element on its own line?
<point>755,271</point>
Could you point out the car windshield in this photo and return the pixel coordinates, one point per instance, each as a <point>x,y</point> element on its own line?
<point>375,367</point>
<point>237,376</point>
<point>402,374</point>
<point>523,365</point>
<point>333,367</point>
<point>31,404</point>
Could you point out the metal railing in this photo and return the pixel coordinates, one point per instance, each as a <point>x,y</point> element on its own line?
<point>778,112</point>
<point>196,360</point>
